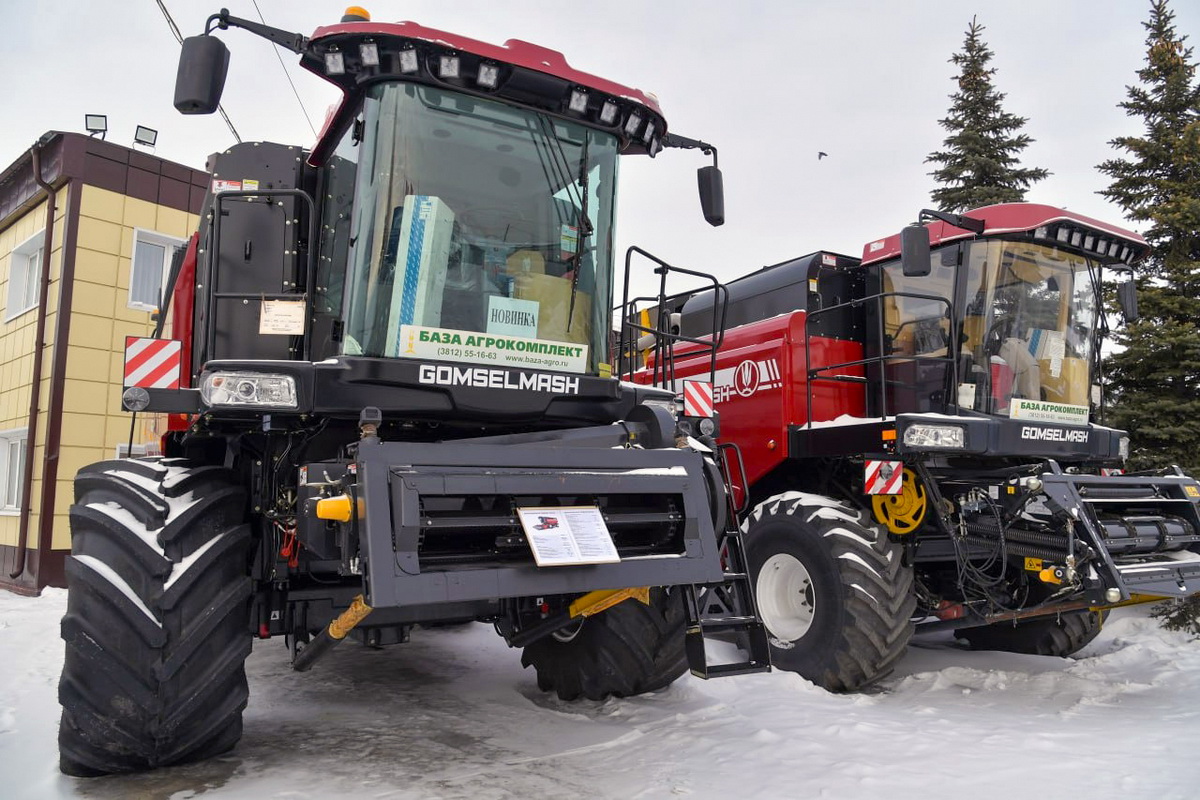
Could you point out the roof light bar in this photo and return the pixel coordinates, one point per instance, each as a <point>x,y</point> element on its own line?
<point>1081,238</point>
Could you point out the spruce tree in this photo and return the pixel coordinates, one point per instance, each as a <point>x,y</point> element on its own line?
<point>1154,378</point>
<point>980,165</point>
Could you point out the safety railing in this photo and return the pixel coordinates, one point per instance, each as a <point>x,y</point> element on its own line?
<point>657,332</point>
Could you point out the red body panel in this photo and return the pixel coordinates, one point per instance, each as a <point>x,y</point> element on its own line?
<point>761,386</point>
<point>183,301</point>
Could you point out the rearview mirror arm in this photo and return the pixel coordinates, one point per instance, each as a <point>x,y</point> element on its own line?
<point>684,143</point>
<point>295,42</point>
<point>957,220</point>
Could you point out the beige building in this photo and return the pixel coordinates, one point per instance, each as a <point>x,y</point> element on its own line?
<point>87,233</point>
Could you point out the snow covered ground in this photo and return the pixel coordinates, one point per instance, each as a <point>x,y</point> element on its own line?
<point>453,715</point>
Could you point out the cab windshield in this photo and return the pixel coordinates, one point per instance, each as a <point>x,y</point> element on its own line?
<point>480,233</point>
<point>1029,328</point>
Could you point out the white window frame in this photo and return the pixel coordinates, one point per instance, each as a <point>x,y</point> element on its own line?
<point>168,243</point>
<point>20,274</point>
<point>138,450</point>
<point>10,494</point>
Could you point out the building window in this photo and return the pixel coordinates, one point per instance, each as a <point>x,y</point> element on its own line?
<point>24,276</point>
<point>12,468</point>
<point>139,450</point>
<point>152,254</point>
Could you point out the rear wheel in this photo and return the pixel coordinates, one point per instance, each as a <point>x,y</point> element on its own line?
<point>156,626</point>
<point>631,648</point>
<point>830,587</point>
<point>1060,635</point>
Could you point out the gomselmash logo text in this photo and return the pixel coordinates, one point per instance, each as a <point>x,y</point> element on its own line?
<point>482,378</point>
<point>1054,435</point>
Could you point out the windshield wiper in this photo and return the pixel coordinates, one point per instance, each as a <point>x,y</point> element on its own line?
<point>585,228</point>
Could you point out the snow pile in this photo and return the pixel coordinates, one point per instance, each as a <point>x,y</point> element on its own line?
<point>453,715</point>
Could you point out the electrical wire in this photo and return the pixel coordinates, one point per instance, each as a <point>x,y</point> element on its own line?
<point>179,38</point>
<point>287,75</point>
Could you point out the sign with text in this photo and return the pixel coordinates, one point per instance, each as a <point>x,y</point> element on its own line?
<point>1042,411</point>
<point>282,318</point>
<point>494,349</point>
<point>509,316</point>
<point>567,535</point>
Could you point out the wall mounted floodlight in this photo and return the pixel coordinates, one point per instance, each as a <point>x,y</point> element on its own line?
<point>145,136</point>
<point>96,124</point>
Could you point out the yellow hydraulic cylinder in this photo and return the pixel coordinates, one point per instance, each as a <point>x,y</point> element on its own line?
<point>333,635</point>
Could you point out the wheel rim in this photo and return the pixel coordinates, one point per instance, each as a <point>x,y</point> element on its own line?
<point>785,595</point>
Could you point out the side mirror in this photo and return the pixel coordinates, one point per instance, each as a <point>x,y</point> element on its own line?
<point>1127,298</point>
<point>712,195</point>
<point>914,251</point>
<point>203,64</point>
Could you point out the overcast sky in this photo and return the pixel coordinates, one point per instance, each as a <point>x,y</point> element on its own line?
<point>770,84</point>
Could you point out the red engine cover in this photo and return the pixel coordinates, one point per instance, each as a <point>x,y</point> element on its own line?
<point>762,386</point>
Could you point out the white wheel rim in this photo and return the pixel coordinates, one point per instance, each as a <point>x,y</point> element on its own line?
<point>785,597</point>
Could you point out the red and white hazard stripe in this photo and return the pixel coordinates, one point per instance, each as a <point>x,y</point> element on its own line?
<point>883,477</point>
<point>697,399</point>
<point>152,363</point>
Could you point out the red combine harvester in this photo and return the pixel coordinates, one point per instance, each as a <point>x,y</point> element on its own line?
<point>918,445</point>
<point>397,406</point>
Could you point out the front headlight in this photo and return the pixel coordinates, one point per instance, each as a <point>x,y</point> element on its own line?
<point>1123,448</point>
<point>947,436</point>
<point>248,390</point>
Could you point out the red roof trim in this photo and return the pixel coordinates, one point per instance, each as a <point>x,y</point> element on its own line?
<point>513,51</point>
<point>999,219</point>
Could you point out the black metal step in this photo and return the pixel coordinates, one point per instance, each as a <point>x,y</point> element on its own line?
<point>740,619</point>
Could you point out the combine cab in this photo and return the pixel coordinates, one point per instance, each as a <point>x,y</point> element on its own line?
<point>398,405</point>
<point>919,446</point>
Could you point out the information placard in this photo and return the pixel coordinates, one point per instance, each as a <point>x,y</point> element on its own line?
<point>282,317</point>
<point>567,535</point>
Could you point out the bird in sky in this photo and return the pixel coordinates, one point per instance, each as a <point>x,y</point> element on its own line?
<point>821,154</point>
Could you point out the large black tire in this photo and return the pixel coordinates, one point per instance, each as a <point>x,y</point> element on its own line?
<point>630,649</point>
<point>157,617</point>
<point>1060,635</point>
<point>832,589</point>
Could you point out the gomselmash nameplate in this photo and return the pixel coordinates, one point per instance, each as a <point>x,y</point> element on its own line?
<point>562,536</point>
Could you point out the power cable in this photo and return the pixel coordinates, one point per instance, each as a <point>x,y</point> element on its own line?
<point>179,38</point>
<point>288,75</point>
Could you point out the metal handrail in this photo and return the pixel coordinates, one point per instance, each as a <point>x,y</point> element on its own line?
<point>663,373</point>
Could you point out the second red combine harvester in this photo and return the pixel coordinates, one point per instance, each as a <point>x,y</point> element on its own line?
<point>918,444</point>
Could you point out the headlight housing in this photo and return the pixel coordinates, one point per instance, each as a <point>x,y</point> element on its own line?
<point>949,437</point>
<point>248,390</point>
